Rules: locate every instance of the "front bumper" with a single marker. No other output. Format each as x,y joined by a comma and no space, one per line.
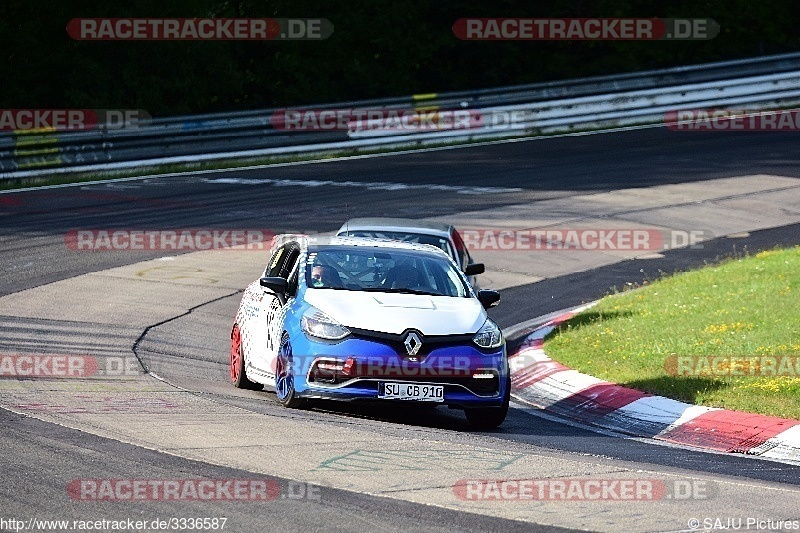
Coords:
471,377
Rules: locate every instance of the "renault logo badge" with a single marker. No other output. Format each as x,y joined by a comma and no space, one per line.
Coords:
413,343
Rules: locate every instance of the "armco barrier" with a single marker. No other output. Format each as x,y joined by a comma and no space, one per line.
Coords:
543,108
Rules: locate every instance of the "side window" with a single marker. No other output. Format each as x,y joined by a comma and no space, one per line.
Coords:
291,260
276,263
289,270
461,250
451,251
284,260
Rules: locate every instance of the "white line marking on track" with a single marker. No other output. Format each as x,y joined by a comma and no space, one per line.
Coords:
371,185
334,160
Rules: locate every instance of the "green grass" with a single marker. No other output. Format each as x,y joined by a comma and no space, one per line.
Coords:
746,307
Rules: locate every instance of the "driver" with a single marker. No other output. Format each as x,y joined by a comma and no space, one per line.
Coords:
325,276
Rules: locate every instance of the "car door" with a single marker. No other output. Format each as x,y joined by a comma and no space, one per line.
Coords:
274,305
256,315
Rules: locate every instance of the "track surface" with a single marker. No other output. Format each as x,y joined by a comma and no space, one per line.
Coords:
32,224
47,457
32,253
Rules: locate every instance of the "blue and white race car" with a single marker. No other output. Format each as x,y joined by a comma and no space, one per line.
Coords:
349,318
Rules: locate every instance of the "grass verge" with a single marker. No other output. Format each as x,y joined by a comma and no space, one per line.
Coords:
722,336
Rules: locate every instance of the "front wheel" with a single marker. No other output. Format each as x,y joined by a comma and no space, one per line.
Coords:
238,376
284,376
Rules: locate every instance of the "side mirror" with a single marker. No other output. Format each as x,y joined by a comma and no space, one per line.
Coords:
488,298
276,285
473,269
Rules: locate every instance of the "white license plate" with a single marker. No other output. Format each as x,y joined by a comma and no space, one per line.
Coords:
412,391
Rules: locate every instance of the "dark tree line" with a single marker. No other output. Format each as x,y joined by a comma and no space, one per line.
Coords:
378,49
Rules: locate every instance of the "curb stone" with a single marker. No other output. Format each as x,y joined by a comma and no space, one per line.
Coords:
539,381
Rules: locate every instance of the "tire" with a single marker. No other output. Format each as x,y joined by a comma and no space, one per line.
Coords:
489,417
284,376
238,376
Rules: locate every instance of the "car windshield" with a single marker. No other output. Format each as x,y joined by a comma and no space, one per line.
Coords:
383,270
406,236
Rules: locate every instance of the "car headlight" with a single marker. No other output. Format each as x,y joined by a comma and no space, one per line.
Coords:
315,323
489,336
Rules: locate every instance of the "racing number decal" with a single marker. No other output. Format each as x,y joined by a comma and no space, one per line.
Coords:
271,323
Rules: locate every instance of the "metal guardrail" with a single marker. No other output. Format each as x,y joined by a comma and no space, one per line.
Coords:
542,108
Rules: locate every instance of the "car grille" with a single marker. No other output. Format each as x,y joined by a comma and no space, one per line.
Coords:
429,342
332,372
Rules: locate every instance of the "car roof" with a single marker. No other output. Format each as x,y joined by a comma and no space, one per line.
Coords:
409,225
317,242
